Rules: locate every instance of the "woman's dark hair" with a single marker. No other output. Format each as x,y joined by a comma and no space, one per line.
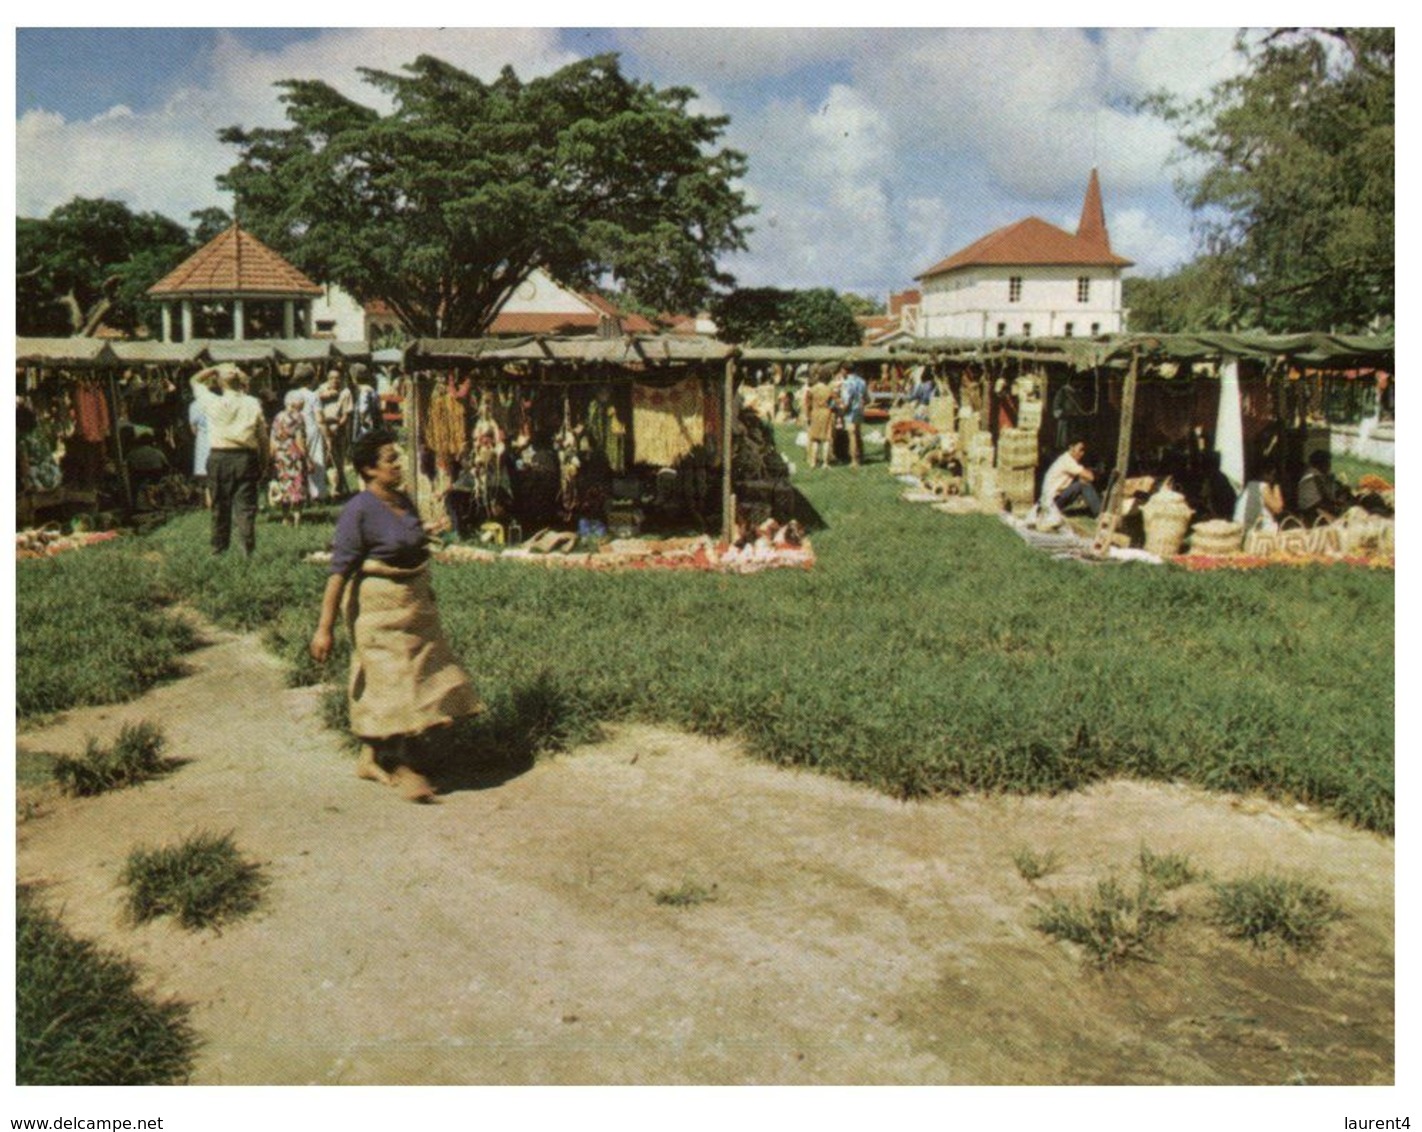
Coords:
365,452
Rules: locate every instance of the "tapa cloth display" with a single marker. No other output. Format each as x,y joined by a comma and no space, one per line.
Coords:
668,423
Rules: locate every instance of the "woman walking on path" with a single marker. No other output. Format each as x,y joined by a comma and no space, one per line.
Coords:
404,677
289,457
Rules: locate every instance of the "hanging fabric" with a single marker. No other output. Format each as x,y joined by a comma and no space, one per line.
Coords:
667,423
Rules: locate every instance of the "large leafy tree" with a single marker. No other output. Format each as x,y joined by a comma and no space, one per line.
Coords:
1295,196
768,316
442,206
1202,295
92,262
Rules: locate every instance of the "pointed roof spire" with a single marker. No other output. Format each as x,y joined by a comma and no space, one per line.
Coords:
1092,225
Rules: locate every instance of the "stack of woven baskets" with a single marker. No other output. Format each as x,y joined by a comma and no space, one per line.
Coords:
1216,537
1017,466
1167,518
980,473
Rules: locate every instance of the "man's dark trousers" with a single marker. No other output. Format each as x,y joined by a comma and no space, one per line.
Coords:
234,474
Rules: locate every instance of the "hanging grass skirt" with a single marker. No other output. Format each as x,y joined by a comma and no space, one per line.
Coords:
404,676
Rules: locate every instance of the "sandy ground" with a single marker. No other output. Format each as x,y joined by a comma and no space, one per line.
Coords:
511,933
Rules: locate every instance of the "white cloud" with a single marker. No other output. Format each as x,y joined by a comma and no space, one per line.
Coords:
166,160
719,55
1156,247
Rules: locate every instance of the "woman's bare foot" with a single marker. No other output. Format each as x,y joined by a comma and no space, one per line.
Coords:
368,768
413,786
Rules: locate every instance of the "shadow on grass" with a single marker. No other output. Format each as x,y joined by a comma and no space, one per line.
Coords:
806,515
534,718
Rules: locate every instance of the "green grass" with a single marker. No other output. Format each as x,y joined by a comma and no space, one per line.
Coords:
80,1018
923,655
92,627
1349,468
136,756
1267,908
1032,865
1168,870
202,882
1112,925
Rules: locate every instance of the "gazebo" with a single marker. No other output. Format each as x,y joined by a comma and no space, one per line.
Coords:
235,287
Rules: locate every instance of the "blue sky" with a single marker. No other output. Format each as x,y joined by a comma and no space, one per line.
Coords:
873,153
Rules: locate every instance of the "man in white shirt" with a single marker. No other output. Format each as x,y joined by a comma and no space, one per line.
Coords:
1068,480
237,439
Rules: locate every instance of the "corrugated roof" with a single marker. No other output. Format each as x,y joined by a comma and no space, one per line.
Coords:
234,263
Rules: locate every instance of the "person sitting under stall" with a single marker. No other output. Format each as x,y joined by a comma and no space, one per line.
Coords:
1261,503
1068,480
1320,496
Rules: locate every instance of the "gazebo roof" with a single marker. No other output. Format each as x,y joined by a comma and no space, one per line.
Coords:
232,265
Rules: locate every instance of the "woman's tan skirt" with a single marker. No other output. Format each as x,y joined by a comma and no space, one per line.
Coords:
404,677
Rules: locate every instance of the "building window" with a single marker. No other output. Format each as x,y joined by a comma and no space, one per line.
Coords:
1026,330
1069,329
1002,330
1014,289
1083,288
1095,329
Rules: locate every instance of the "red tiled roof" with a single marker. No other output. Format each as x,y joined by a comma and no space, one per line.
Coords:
234,263
1030,242
1034,242
902,299
633,322
520,322
1092,225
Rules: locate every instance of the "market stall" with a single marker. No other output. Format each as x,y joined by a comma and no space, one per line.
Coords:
79,398
1208,413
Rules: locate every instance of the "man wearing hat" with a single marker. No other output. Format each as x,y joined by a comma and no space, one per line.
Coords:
237,439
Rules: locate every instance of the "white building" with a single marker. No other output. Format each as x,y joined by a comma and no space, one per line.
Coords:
1028,280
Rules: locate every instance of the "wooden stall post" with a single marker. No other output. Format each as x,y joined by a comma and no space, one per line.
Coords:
1115,495
728,499
114,416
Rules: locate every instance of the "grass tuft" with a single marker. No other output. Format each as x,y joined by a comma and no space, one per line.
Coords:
79,1018
136,756
1112,925
1032,865
1266,908
686,895
203,881
1168,870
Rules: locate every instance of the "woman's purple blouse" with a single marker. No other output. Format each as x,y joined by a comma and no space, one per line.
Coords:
367,528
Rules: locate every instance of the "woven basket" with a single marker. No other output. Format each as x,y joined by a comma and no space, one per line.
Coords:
1216,536
1262,539
1294,537
1167,518
901,459
1016,448
1017,485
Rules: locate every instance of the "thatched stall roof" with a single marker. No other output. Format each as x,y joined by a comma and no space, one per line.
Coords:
644,358
833,355
147,352
98,353
1315,349
69,353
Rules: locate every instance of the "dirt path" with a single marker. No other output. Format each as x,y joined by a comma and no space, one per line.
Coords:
511,934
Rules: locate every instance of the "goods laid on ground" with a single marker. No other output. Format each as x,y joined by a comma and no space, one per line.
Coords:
1216,536
1017,466
47,541
1167,518
1364,533
1198,562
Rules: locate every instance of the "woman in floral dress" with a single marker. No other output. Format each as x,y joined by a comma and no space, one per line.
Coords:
289,462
